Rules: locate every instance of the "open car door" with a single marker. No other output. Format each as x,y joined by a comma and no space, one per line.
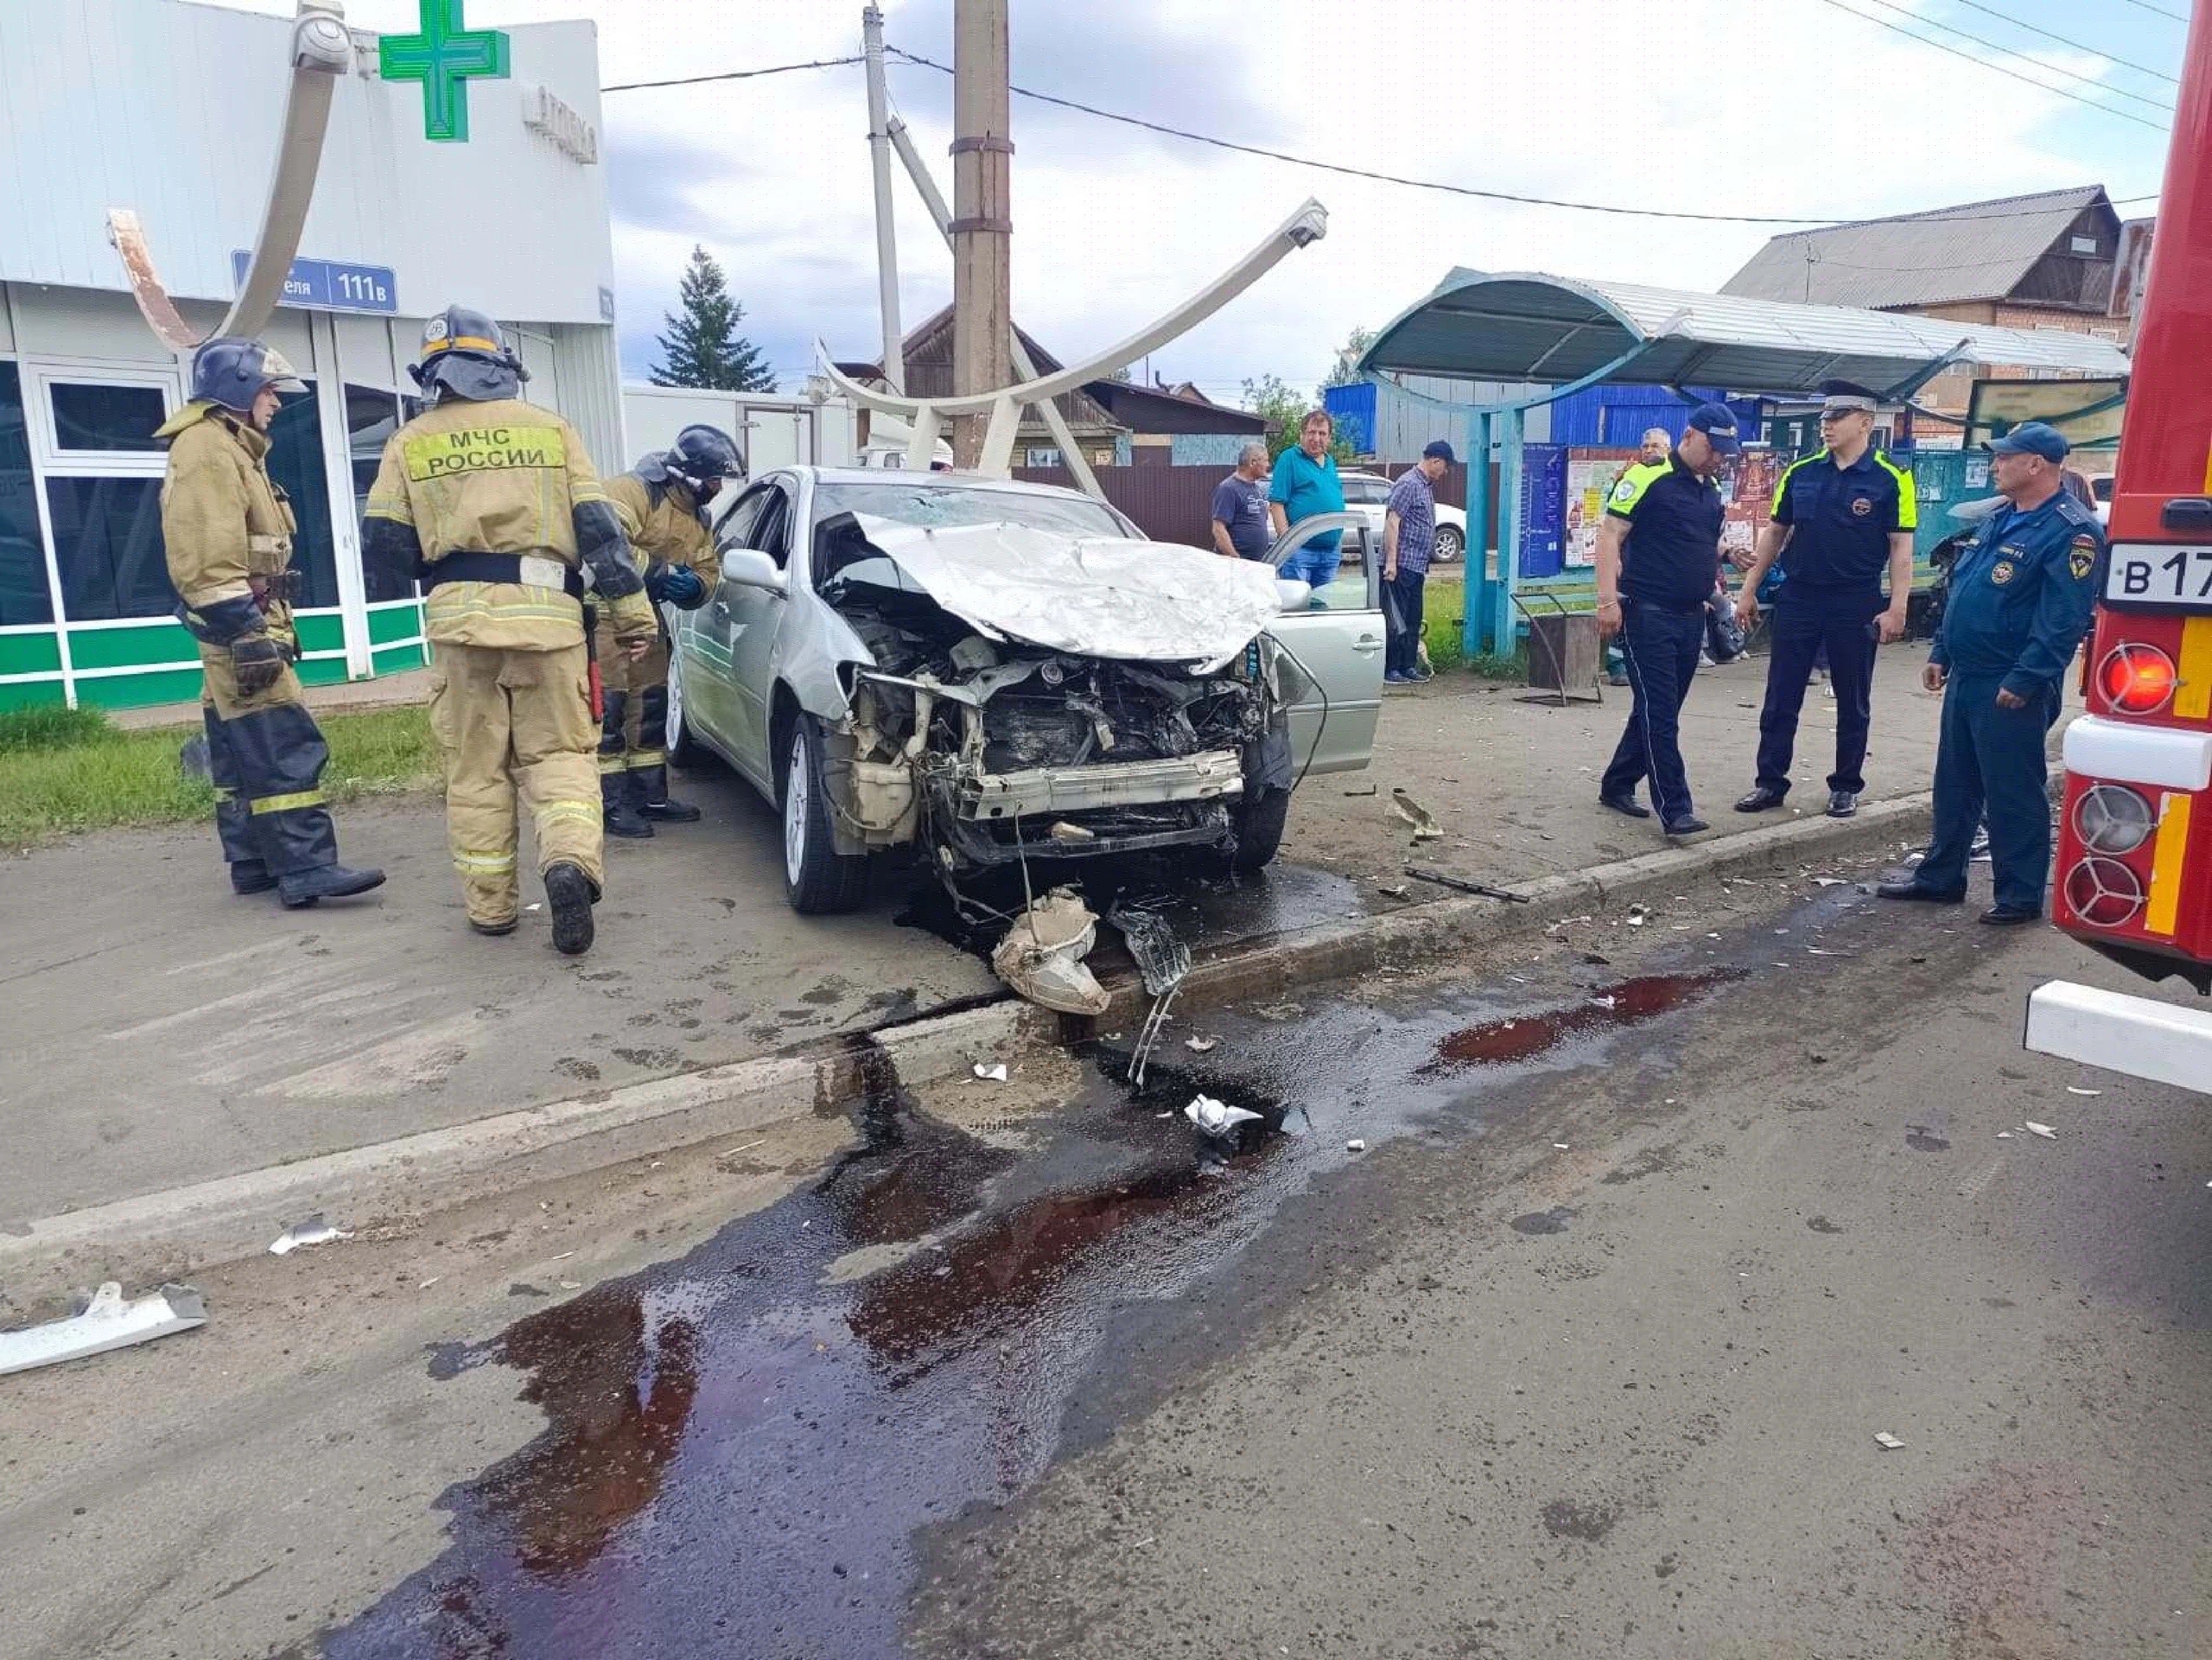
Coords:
1334,680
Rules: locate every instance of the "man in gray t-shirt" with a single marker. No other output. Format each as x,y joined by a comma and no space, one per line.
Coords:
1241,530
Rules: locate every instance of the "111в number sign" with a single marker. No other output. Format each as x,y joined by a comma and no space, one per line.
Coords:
329,285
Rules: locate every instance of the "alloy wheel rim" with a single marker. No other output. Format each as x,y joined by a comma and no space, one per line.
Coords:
796,786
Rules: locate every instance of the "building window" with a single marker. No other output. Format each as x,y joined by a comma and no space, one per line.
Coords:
25,600
372,415
92,418
2084,244
1042,456
296,465
107,539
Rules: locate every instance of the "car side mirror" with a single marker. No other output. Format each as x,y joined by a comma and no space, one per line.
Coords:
750,568
1292,593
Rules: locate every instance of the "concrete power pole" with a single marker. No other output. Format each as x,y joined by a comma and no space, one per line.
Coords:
982,226
886,234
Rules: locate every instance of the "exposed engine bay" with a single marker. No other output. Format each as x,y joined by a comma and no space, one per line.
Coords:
991,749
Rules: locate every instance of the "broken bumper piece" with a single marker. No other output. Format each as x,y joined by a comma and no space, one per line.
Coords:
1048,791
108,1322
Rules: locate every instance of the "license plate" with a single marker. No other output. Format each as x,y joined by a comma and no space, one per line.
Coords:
2176,578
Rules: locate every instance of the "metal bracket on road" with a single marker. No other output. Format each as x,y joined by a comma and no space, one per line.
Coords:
1482,890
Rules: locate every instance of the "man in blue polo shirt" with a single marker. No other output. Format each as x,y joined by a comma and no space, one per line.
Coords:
1305,484
1658,552
1840,518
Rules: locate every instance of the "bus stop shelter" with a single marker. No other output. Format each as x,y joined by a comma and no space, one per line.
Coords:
1569,333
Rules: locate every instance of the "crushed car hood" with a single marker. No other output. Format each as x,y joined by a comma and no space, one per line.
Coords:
1090,596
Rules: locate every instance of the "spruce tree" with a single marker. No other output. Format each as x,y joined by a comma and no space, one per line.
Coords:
702,346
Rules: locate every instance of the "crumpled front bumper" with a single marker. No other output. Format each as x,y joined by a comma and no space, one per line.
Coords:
1041,792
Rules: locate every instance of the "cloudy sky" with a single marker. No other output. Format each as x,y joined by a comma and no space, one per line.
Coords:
1781,107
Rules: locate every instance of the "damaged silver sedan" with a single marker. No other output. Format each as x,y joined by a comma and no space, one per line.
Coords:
999,671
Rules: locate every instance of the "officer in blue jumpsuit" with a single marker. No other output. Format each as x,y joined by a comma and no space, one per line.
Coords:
1840,519
2021,598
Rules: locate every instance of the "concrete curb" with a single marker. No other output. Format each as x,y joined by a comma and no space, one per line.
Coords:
183,1229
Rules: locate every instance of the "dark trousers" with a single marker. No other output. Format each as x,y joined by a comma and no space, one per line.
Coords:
1401,603
1661,650
266,765
1802,623
1993,758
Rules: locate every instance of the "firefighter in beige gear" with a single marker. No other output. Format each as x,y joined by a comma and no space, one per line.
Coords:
227,531
493,503
662,503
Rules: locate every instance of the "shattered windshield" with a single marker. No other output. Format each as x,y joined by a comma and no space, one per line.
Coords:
936,506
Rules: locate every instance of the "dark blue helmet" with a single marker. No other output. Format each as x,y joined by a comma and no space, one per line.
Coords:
232,372
701,458
466,352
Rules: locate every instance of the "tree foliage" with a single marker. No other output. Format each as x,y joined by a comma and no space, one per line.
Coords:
1283,407
1346,371
702,346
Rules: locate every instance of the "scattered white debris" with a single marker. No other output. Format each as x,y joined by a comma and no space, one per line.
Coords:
534,905
313,1232
1217,1117
565,1255
1605,1002
1560,1146
1280,1012
993,1073
428,1283
1042,957
1393,890
1425,825
1827,881
728,1152
107,1322
1201,1046
2044,1130
571,1285
2007,1135
1885,1441
1355,1145
2075,1089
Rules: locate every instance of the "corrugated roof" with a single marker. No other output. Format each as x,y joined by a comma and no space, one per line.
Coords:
1532,326
1976,250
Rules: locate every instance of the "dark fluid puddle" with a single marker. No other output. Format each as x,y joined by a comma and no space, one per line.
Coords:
743,1449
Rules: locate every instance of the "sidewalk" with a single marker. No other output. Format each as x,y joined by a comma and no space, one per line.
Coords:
161,1032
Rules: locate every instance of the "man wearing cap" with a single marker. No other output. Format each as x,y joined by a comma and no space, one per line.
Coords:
1839,518
1408,544
1657,552
2021,598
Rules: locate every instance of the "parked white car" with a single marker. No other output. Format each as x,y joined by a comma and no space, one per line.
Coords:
1368,495
997,671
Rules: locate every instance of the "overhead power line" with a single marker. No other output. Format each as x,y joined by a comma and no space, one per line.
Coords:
1812,222
2078,46
730,74
1989,45
2158,12
2040,85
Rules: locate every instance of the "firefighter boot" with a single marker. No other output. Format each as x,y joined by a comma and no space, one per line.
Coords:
570,895
650,796
621,819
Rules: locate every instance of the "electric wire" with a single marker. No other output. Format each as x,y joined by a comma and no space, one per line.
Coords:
732,75
2079,46
2048,68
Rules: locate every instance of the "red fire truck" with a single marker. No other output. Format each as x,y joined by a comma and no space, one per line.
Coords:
2133,878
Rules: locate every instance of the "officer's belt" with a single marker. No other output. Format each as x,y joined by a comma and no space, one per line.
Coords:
530,569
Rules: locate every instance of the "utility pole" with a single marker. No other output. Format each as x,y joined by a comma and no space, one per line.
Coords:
982,226
886,234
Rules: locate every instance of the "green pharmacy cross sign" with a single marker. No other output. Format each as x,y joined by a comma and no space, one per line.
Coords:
445,57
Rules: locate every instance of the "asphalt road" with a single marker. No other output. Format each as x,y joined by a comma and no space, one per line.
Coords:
1585,1353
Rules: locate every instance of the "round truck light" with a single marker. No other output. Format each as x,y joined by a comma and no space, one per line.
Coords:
2103,893
2113,818
2136,679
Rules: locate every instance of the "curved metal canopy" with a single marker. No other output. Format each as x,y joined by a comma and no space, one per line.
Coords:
1531,326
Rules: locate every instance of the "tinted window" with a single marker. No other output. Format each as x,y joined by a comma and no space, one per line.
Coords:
1361,493
937,505
296,465
23,594
372,416
107,539
735,529
106,417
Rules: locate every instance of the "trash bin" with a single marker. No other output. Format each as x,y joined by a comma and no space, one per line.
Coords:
1563,652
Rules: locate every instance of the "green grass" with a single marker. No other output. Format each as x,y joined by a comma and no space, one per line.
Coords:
1444,606
71,770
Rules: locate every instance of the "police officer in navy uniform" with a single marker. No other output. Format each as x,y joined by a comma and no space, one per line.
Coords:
1839,517
2021,598
1658,551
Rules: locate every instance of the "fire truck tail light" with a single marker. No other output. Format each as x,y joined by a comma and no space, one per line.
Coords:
2113,818
2103,893
2137,679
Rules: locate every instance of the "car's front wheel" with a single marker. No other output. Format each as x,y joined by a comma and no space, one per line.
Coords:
817,879
1451,544
1260,819
683,749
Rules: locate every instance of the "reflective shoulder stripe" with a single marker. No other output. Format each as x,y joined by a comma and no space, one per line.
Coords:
1782,484
257,542
290,803
1622,503
1908,501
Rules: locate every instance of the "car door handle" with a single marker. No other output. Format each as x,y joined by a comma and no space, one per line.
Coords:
1367,645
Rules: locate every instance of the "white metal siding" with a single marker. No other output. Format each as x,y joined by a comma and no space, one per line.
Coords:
589,372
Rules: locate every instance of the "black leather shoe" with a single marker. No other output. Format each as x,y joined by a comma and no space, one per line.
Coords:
251,877
2006,916
671,812
1762,799
621,819
1843,803
1913,890
570,894
325,882
1688,824
1624,803
495,929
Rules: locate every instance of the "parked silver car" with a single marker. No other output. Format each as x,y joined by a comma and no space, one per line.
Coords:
996,670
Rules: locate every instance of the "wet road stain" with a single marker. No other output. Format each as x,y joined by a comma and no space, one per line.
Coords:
1821,1224
745,1447
1567,1518
1540,1221
1524,1037
1921,1139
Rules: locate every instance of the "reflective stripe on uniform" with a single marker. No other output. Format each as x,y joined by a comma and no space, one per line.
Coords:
291,803
456,609
256,542
612,762
224,793
552,811
484,864
648,758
